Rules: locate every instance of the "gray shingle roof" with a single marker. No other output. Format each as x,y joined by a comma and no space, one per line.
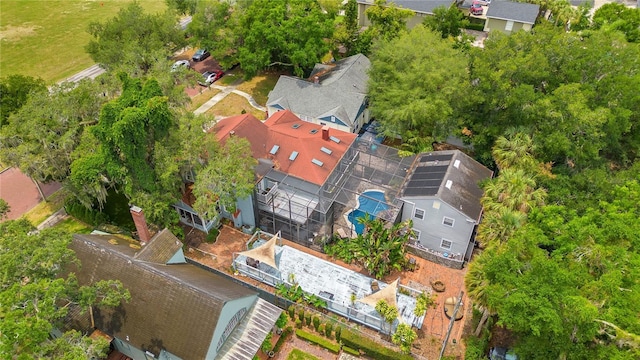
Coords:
519,12
162,247
344,84
432,172
423,6
172,307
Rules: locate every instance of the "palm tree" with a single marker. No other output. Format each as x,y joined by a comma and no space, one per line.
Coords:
499,224
477,286
513,189
514,152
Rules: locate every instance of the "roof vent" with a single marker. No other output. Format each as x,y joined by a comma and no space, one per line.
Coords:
296,125
448,184
334,139
456,164
293,156
313,131
325,150
274,149
317,162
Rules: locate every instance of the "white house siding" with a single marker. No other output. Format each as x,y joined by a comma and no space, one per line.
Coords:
500,25
432,230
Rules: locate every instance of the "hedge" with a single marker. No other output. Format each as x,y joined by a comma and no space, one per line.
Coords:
370,348
331,346
351,351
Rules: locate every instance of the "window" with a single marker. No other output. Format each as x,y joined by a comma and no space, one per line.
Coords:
446,244
509,26
416,235
418,214
447,221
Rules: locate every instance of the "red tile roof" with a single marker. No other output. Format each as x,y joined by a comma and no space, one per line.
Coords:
287,131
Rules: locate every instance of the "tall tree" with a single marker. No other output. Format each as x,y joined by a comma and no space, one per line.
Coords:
618,17
447,21
227,176
133,40
41,136
283,32
416,84
215,27
124,151
404,336
14,92
35,296
388,21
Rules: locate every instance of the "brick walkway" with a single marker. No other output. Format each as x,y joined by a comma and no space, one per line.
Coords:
21,193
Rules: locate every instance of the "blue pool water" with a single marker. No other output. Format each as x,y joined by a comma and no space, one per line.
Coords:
369,202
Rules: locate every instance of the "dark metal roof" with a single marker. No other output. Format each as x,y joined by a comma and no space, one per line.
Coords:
433,171
162,247
172,307
514,11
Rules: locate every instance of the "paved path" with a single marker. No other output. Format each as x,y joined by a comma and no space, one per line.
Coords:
224,91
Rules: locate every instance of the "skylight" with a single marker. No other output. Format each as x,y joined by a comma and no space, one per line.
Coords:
274,149
325,150
317,162
456,164
293,156
334,139
313,131
296,125
448,184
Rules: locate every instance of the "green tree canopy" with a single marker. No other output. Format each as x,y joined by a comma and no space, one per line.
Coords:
35,297
14,92
618,17
416,84
292,33
447,21
133,40
128,150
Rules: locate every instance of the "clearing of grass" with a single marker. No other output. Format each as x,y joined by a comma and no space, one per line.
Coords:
233,105
205,95
297,354
260,85
73,226
45,209
46,39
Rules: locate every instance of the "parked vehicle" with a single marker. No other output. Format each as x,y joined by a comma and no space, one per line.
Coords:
209,77
200,55
180,64
476,8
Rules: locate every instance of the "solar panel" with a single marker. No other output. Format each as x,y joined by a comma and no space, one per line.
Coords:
424,183
420,191
432,169
428,176
436,157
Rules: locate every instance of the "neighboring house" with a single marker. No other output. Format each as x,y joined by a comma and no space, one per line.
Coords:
177,310
421,9
335,95
442,196
508,17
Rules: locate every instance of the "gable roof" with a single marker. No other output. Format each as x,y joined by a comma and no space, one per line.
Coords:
290,134
172,307
341,84
451,176
419,6
513,11
161,248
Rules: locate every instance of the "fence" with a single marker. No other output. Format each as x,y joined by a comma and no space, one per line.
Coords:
454,262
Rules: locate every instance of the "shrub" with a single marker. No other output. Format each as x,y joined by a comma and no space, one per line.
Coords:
338,333
476,347
307,319
283,338
370,348
351,351
327,344
301,314
328,329
282,320
266,344
82,213
212,235
292,312
316,322
298,324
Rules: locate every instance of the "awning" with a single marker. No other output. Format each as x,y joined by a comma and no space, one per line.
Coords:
388,294
265,253
246,339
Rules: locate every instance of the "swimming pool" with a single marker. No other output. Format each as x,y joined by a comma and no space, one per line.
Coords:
369,202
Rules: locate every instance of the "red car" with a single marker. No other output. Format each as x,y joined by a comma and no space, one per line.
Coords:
210,77
476,8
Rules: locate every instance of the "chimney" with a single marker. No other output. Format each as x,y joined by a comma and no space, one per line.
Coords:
141,225
316,80
325,133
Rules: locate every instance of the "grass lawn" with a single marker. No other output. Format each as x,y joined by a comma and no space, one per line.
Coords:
73,226
47,38
297,354
43,210
233,105
260,85
203,97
